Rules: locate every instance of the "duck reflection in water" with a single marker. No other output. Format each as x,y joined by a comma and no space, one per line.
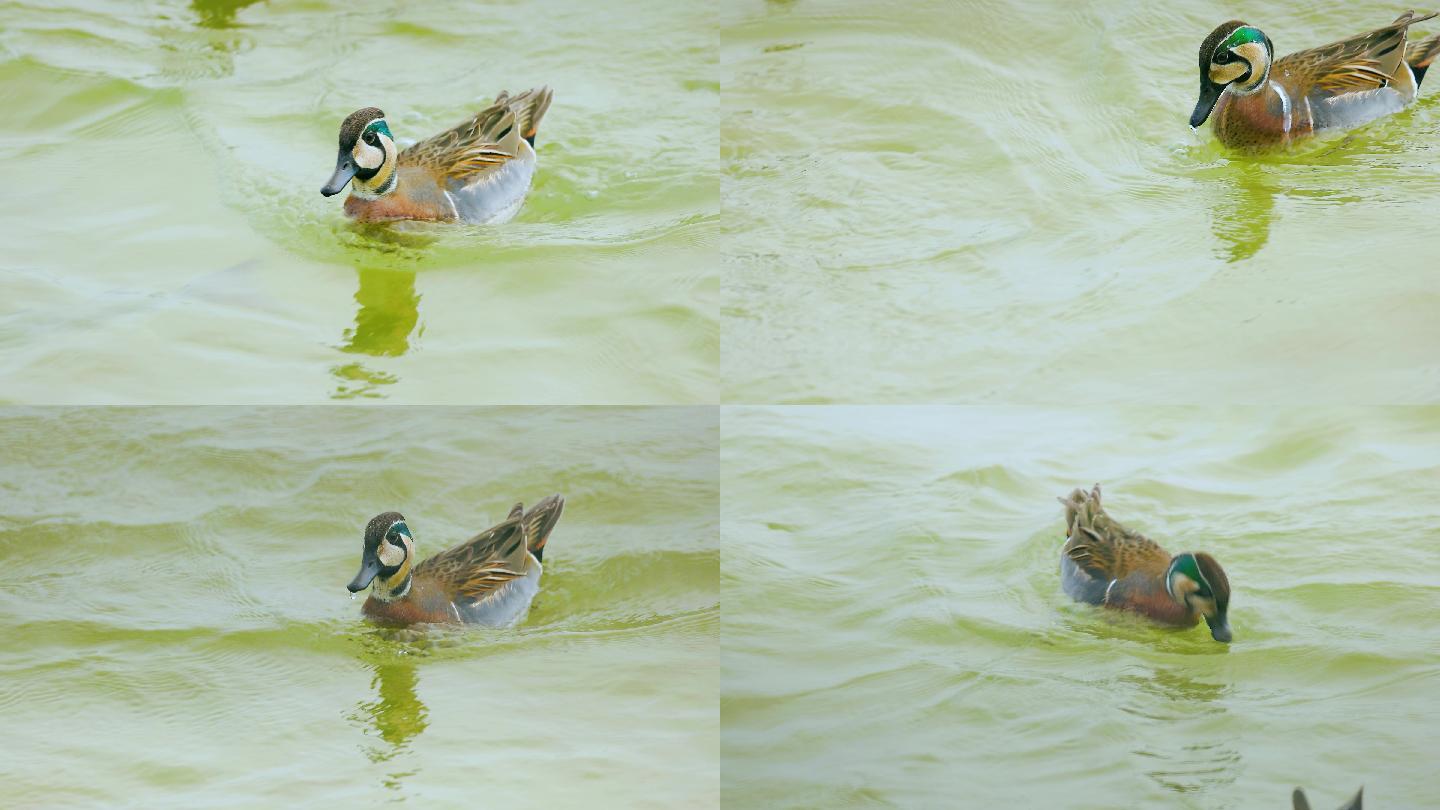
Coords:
1176,684
1241,220
389,310
219,13
396,715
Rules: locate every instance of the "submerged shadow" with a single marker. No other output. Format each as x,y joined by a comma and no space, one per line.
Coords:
1166,698
387,316
219,13
397,714
394,718
1241,221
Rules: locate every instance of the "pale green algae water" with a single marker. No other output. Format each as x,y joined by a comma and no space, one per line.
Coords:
895,634
979,202
178,633
166,242
991,203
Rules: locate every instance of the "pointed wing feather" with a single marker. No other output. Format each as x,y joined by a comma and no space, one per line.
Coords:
1357,64
485,562
480,144
540,521
1421,54
1355,77
1104,548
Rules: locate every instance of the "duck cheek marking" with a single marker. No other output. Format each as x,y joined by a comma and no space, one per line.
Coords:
367,156
390,555
1257,61
1224,74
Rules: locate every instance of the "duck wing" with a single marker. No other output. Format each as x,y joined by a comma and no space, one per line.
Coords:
472,149
539,521
1367,61
1102,547
478,567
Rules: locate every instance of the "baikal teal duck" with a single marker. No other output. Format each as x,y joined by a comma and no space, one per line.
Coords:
489,579
477,172
1255,102
1104,563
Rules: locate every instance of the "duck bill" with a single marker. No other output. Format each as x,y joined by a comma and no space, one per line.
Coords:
369,569
1209,94
1219,628
345,169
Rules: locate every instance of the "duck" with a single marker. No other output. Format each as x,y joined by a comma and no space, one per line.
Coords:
489,579
1256,102
477,172
1104,563
1300,803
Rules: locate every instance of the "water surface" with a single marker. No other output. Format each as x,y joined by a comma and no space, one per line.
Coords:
166,241
982,201
178,631
895,634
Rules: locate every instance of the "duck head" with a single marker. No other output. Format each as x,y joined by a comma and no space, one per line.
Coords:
1235,55
1196,581
367,155
387,559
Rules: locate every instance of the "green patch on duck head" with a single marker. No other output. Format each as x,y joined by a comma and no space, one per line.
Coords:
1211,584
1186,564
1242,35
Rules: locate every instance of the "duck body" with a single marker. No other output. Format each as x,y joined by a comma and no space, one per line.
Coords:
1103,563
1139,591
490,579
433,602
479,172
1256,102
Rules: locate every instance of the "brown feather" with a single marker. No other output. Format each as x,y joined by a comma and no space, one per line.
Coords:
1103,547
540,521
1364,62
476,567
1422,53
488,139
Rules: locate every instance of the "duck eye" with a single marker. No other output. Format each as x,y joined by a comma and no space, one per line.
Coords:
1224,58
371,139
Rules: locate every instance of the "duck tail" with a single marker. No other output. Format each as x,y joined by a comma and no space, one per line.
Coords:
1081,510
1420,54
539,521
529,107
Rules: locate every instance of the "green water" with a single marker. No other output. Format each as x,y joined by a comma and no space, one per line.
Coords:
178,633
895,634
973,202
888,276
166,241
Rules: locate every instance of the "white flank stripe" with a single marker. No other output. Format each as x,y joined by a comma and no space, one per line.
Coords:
1284,103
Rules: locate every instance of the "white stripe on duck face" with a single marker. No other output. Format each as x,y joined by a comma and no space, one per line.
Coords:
1258,59
390,554
367,156
379,160
372,157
